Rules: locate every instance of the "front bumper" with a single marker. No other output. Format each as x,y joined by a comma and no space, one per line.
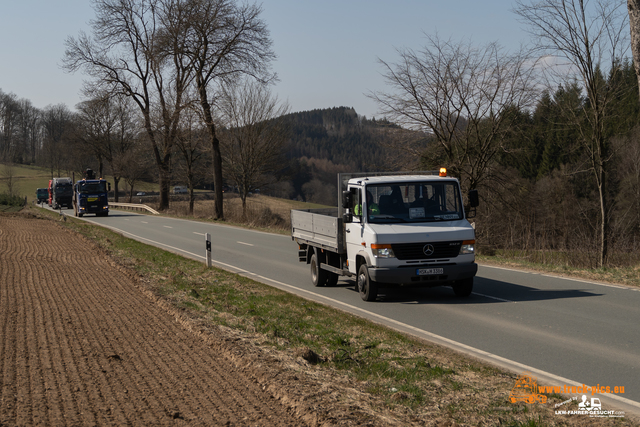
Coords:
407,275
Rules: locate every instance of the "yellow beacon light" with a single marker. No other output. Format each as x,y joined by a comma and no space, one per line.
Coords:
443,171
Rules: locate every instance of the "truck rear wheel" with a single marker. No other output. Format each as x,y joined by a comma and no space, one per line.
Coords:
463,288
332,278
367,288
318,275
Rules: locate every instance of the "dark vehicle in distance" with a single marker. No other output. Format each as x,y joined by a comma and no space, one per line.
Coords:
42,195
61,193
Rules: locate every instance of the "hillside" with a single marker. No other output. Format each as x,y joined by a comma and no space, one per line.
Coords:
325,142
339,135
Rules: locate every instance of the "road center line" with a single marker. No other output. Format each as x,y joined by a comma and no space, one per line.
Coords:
496,298
243,243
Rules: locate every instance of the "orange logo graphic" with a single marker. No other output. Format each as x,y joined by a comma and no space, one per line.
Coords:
526,390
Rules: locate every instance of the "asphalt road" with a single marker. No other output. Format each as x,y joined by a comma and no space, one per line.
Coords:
565,332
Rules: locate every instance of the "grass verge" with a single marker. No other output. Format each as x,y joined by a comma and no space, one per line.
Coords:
415,381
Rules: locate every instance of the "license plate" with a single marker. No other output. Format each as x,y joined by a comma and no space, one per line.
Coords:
92,199
429,271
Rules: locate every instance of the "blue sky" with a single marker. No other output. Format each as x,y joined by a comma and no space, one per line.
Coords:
327,49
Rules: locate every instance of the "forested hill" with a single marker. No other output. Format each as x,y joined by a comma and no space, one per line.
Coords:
338,137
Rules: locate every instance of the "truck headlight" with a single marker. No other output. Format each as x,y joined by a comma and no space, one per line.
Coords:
468,247
382,251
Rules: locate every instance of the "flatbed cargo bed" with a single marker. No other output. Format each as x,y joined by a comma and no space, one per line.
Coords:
318,227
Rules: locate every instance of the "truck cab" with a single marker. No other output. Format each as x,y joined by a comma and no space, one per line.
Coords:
409,230
42,195
91,195
61,193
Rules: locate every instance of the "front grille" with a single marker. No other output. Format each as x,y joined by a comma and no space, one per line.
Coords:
407,251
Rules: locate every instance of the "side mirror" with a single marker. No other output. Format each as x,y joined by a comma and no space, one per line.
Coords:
109,185
346,199
474,200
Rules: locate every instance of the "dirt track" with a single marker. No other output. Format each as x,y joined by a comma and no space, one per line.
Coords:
82,344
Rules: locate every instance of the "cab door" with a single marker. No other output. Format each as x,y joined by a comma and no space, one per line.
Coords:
354,230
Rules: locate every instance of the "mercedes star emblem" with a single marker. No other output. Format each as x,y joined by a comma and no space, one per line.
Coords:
428,250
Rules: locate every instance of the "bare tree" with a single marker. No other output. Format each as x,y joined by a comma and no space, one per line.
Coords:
254,136
134,166
137,50
95,127
30,131
633,7
108,129
225,40
9,119
191,143
58,129
459,96
9,174
588,40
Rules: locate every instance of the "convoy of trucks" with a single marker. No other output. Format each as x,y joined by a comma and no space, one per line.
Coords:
390,230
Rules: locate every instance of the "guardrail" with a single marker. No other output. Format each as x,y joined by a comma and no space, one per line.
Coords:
134,206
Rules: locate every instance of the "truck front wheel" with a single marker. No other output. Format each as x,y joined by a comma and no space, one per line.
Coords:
367,288
463,288
318,275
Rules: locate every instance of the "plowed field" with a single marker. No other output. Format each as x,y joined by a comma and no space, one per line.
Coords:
82,344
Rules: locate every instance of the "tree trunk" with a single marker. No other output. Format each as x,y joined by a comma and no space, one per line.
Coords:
604,222
243,197
217,174
165,182
634,24
116,181
215,147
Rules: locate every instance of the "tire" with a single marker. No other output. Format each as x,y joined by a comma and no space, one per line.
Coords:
318,275
367,288
332,279
463,288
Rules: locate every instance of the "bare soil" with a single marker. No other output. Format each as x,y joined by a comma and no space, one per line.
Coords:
84,343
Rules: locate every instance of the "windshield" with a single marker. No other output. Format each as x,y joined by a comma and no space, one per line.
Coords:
65,188
414,202
92,187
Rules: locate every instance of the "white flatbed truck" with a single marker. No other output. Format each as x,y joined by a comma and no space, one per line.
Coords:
391,229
